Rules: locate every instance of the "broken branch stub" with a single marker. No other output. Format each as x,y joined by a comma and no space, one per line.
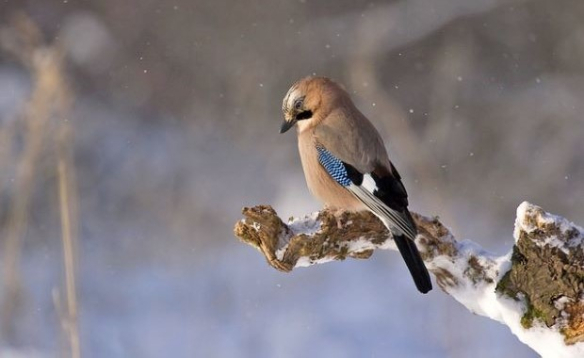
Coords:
331,235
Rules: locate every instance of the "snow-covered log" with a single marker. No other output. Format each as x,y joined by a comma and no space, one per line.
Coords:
536,289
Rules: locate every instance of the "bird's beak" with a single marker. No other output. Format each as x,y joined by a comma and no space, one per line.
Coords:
287,124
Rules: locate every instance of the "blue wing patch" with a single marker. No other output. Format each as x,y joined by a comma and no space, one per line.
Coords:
333,165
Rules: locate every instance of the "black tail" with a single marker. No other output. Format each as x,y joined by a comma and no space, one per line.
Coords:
393,211
411,256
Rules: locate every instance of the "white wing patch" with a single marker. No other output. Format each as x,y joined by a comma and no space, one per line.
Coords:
369,183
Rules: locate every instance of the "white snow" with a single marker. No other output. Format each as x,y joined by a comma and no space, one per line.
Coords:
281,251
308,225
483,300
524,222
306,261
480,298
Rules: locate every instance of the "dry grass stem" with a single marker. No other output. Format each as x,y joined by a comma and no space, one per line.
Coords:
44,124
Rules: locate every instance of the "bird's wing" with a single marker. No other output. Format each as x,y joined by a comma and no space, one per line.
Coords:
383,193
349,135
380,190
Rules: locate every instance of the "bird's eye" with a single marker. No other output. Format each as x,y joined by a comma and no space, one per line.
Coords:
298,105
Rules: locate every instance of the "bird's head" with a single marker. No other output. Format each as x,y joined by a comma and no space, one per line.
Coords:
308,101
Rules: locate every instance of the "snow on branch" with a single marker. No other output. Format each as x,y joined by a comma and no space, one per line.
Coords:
536,289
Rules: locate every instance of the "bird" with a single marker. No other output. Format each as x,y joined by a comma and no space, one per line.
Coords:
346,165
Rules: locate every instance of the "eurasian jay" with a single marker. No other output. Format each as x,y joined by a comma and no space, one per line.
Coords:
346,165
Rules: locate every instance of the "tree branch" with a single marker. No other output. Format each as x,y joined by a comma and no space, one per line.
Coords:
536,289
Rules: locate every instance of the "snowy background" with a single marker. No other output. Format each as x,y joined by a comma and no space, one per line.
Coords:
176,116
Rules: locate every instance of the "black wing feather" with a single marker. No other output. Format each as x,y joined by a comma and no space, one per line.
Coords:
355,176
390,188
391,191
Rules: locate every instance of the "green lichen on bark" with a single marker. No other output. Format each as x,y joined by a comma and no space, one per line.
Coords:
546,267
530,315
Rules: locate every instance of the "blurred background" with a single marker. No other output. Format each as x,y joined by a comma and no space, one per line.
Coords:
133,132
